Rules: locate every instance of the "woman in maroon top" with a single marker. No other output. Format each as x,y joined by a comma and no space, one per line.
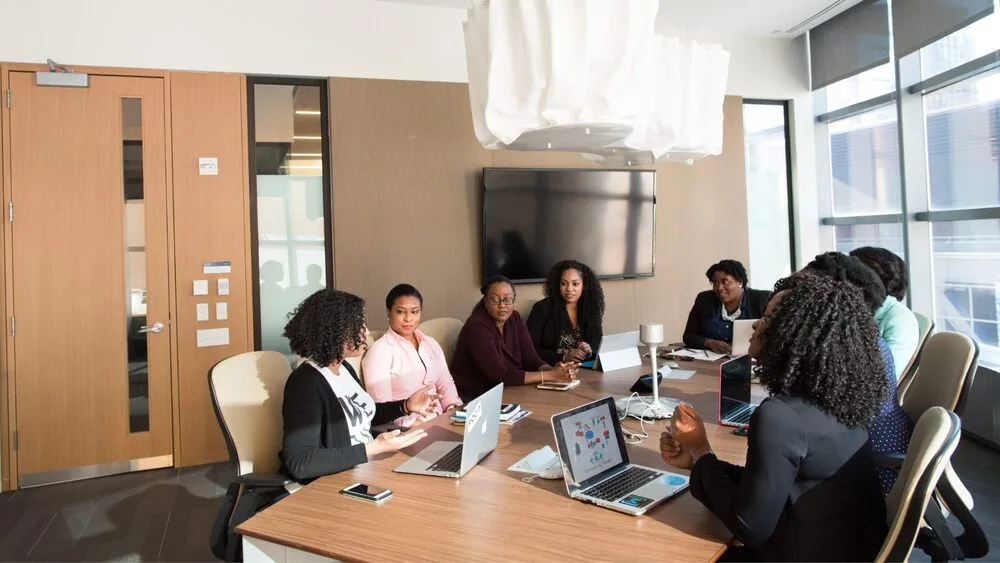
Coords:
495,346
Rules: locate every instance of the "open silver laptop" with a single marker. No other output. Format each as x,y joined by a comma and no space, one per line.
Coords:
596,466
742,331
736,392
455,459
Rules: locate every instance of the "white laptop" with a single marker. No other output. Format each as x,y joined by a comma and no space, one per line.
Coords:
742,331
596,466
618,351
455,459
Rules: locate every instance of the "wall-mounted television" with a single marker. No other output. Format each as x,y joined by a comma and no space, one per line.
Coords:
533,218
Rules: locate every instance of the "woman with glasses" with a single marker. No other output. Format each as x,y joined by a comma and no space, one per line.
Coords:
710,323
495,346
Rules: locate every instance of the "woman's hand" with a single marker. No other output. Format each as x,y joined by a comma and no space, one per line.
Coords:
423,401
394,441
688,429
672,451
718,346
587,350
564,372
575,355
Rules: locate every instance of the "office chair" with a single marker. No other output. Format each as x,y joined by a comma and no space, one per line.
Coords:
445,331
947,369
375,334
247,392
924,328
356,361
934,440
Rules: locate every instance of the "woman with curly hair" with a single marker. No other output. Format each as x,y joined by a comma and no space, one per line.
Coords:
566,325
327,415
897,324
710,323
809,490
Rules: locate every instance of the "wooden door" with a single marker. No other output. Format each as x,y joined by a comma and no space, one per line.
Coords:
89,269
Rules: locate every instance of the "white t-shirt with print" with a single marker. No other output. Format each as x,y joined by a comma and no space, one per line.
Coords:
358,405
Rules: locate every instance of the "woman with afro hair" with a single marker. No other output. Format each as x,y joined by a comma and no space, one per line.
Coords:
327,415
809,489
566,325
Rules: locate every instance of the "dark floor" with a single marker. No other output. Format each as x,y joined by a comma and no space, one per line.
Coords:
166,514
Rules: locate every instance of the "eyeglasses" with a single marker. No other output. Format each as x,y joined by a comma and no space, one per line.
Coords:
494,300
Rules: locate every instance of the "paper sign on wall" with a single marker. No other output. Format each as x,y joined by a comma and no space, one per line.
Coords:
213,337
208,166
220,267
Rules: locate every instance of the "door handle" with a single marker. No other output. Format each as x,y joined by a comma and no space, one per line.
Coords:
155,327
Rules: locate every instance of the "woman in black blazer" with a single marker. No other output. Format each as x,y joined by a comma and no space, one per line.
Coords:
566,325
710,323
809,490
327,415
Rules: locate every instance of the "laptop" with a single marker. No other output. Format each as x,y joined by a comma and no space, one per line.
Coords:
735,406
617,351
595,462
742,331
455,459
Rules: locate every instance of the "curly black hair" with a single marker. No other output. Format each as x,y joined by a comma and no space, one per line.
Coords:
889,267
324,323
842,267
820,343
493,280
732,267
591,303
402,290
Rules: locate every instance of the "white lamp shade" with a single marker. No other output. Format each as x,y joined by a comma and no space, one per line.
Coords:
591,76
651,334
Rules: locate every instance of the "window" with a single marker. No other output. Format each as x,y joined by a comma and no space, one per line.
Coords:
966,44
885,235
867,85
864,161
966,277
292,254
765,127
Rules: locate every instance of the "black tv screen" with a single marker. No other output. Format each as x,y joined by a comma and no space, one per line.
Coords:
533,218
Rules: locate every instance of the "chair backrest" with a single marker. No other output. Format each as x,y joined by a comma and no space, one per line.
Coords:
924,327
247,391
934,440
946,372
356,361
375,334
445,330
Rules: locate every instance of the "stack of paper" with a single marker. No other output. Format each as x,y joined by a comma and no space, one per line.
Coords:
537,461
689,354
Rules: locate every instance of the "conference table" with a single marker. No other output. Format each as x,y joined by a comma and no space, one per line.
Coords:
492,513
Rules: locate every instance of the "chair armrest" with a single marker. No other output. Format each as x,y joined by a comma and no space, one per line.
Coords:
890,461
263,480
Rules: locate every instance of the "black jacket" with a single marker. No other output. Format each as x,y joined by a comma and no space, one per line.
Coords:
546,322
809,491
707,308
316,440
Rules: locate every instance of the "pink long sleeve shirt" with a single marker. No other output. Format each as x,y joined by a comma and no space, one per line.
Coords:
393,370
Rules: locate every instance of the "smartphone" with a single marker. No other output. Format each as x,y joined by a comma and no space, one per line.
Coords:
554,386
369,493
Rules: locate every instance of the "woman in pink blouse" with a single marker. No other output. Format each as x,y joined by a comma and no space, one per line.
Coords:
405,359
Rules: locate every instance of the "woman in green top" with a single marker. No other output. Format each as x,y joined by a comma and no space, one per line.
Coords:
896,324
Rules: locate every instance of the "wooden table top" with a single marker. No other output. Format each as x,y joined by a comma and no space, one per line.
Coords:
491,513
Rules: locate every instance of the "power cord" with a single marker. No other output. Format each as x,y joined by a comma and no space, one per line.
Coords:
635,438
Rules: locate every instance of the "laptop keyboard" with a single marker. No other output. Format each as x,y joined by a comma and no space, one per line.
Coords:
450,462
736,412
622,484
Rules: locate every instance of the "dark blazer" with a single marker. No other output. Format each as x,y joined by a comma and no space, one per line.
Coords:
484,356
546,322
809,491
316,439
707,310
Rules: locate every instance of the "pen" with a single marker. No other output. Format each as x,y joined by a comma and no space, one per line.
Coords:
706,353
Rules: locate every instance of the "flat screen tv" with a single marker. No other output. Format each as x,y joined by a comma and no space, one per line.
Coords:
533,218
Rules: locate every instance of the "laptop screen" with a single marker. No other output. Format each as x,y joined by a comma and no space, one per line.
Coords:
590,440
734,384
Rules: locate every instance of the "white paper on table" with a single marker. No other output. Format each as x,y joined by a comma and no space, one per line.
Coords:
681,374
536,462
707,355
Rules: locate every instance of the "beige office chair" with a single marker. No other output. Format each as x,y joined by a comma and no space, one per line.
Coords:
247,391
356,361
924,328
376,334
445,331
947,369
934,440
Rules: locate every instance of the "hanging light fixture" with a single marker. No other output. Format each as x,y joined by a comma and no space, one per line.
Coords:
591,76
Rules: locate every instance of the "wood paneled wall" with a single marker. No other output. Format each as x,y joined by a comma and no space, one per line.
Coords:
208,113
6,400
407,206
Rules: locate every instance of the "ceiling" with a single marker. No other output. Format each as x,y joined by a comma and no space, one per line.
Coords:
755,18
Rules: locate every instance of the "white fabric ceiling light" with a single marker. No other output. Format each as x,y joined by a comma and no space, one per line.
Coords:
591,76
